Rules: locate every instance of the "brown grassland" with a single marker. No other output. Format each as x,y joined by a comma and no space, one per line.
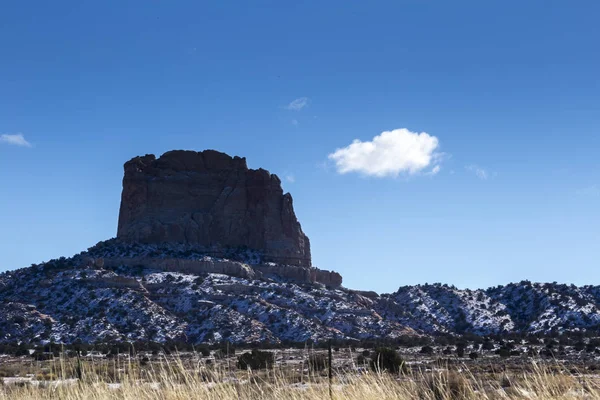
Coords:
181,377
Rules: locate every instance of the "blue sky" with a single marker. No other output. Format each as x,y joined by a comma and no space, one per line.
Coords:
503,185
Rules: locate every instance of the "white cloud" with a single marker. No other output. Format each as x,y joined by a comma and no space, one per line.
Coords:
297,104
480,172
290,178
435,170
17,139
389,154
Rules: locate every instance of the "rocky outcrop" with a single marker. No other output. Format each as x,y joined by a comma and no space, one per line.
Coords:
116,282
213,201
329,278
204,266
210,265
301,274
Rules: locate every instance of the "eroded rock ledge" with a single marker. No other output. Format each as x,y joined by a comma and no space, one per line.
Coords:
233,268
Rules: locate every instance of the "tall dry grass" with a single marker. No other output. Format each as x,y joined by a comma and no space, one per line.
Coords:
176,379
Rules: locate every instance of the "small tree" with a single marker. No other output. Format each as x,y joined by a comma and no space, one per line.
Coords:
487,345
503,352
256,360
204,351
386,359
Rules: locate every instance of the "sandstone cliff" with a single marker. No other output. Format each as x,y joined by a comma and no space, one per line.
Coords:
213,201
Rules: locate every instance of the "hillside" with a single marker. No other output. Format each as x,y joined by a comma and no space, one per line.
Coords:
89,298
79,299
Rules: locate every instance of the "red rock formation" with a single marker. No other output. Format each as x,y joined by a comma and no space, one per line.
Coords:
210,200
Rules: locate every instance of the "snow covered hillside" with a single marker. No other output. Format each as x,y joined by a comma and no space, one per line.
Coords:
89,299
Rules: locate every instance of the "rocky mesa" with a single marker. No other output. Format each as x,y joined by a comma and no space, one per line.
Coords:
211,201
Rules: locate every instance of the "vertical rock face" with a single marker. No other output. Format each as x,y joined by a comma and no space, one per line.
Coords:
210,200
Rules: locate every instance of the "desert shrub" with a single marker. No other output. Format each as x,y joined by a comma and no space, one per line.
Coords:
361,360
503,352
256,360
426,350
204,351
386,359
487,345
21,352
533,340
532,352
473,355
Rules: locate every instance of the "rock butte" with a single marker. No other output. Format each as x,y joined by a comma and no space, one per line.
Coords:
212,201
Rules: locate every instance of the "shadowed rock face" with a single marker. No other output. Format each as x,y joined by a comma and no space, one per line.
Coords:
210,200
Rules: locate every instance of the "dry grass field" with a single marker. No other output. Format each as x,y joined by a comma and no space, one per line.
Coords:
186,376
